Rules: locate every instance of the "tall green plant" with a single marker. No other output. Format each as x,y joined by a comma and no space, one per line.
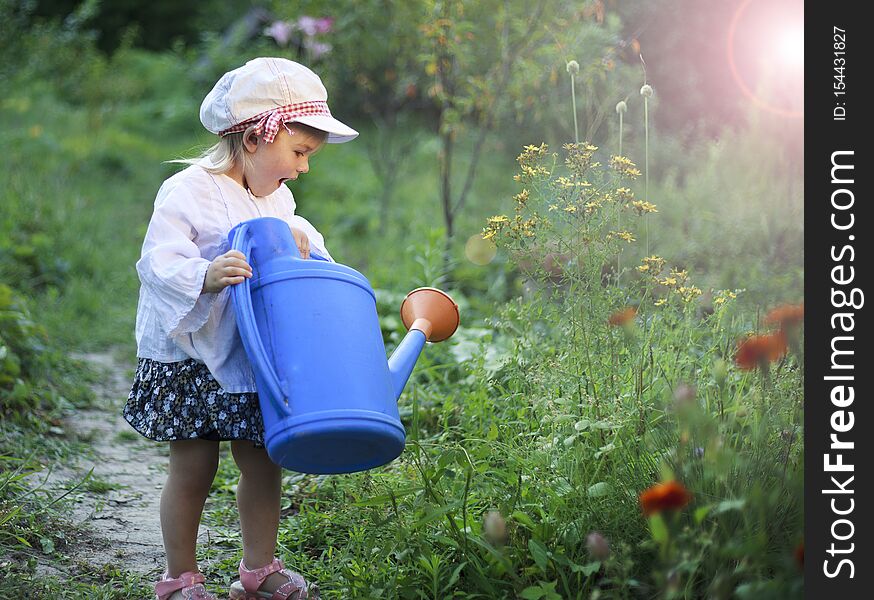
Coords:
630,375
476,55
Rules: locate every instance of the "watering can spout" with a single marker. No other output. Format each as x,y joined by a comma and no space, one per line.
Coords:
430,315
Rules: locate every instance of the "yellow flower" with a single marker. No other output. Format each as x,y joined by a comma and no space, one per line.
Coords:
570,208
643,268
655,263
579,157
531,152
723,296
620,161
553,207
624,166
625,236
532,172
688,293
524,228
668,281
498,219
644,207
660,302
624,194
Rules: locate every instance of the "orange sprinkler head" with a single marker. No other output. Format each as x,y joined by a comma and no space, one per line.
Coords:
432,312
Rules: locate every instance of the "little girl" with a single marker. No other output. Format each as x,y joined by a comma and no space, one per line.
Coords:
193,385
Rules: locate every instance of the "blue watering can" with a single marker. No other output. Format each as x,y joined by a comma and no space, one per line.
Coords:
311,332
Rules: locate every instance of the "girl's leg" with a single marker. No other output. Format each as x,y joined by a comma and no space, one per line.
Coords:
258,497
193,465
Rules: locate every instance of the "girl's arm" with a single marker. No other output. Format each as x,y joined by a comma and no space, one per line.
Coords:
171,268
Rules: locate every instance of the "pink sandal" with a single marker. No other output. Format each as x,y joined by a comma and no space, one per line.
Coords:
190,583
296,588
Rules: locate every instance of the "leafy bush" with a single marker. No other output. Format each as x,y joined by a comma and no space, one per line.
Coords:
21,343
629,382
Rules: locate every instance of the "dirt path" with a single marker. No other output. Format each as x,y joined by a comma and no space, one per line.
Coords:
119,503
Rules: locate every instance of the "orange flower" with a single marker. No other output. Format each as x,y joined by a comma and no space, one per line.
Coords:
669,495
799,555
785,316
622,317
759,350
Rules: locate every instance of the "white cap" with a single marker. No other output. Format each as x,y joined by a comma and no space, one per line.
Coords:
263,85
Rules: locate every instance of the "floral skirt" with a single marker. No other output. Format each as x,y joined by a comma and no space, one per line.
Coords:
182,401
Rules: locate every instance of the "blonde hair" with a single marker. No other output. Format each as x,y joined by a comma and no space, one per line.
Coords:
230,150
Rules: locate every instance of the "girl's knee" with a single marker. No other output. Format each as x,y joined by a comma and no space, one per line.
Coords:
253,460
194,462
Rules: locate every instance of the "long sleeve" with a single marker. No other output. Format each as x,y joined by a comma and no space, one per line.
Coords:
194,211
171,268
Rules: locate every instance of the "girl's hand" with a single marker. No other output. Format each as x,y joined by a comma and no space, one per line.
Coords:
302,241
227,269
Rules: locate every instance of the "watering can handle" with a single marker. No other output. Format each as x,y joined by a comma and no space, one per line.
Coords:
242,295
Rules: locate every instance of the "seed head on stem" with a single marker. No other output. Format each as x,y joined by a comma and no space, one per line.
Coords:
646,92
621,108
573,68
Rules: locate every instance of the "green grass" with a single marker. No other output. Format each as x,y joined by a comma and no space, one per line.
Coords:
35,531
96,485
127,436
104,582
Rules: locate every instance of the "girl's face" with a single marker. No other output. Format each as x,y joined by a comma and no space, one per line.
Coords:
286,157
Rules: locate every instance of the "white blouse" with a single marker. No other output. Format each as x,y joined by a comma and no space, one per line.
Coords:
194,212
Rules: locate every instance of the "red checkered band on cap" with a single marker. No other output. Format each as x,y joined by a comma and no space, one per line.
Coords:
269,121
